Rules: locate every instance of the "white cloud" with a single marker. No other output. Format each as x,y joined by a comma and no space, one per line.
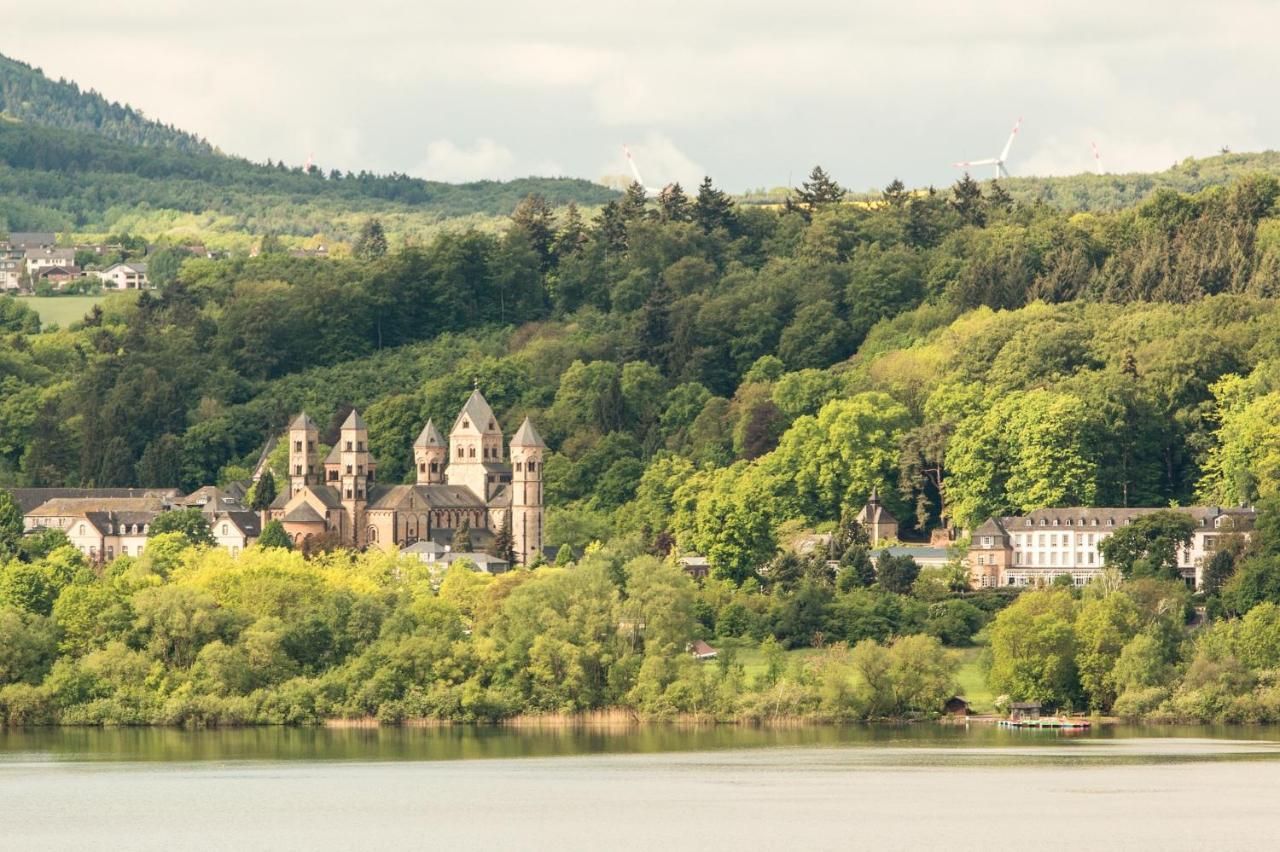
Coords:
448,161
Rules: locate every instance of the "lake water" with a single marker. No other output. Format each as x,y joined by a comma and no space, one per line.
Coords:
918,787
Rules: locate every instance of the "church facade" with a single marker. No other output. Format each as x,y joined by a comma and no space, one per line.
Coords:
473,481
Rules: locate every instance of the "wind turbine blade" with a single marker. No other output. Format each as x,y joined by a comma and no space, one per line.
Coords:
631,161
990,161
1097,158
1004,155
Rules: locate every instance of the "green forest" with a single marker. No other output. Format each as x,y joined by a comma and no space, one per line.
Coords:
711,377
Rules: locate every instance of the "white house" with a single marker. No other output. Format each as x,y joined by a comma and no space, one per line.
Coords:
38,259
1036,548
235,530
125,276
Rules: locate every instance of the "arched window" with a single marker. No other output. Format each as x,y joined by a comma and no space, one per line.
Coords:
371,534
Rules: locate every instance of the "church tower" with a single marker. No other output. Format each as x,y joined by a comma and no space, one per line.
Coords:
303,471
527,449
430,455
475,448
355,474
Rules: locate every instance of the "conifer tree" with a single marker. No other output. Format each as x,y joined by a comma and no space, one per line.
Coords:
673,204
533,216
462,538
572,235
503,546
713,209
273,535
966,199
372,242
818,191
263,492
895,194
998,199
633,203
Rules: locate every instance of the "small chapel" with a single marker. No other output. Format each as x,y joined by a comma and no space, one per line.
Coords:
474,481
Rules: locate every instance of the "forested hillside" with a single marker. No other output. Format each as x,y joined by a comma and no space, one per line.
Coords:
1109,192
27,95
73,163
714,376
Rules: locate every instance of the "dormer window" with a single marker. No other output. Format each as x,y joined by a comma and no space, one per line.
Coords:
492,426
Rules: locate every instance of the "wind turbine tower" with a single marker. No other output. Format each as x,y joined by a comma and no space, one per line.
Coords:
1097,159
999,161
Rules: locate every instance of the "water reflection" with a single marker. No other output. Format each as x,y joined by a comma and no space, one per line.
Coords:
919,744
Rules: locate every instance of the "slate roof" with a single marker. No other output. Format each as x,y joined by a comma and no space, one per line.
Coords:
302,421
477,413
32,238
501,497
30,498
527,436
431,496
1205,516
429,437
354,421
247,522
303,514
333,456
84,505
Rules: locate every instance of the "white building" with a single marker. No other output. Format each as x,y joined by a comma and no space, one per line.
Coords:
125,276
48,258
1034,549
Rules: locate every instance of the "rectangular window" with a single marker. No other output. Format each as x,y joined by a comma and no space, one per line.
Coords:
297,446
422,467
348,446
297,470
435,466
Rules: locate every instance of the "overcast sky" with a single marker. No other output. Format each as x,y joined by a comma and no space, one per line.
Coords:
748,91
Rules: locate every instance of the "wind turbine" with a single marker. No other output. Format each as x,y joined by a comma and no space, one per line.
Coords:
998,162
631,161
1097,159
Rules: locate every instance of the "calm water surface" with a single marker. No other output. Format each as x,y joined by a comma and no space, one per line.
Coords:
918,787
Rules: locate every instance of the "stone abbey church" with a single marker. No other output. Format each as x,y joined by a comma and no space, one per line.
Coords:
470,481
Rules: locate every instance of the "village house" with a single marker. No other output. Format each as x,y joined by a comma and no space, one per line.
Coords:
11,270
27,241
125,276
101,528
1034,549
469,482
48,258
57,276
234,530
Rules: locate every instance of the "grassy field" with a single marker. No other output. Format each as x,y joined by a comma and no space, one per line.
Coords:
971,679
62,310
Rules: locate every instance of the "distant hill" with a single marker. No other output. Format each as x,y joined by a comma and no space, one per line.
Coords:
1109,192
26,94
71,161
